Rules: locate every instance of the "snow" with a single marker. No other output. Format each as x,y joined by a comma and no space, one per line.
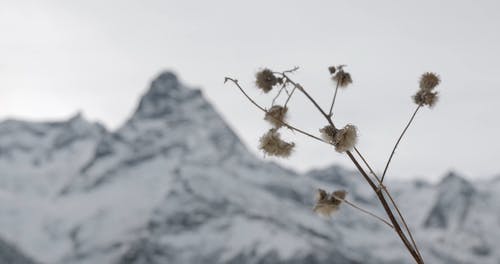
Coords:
175,184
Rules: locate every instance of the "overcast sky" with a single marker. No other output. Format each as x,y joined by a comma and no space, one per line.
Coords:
60,57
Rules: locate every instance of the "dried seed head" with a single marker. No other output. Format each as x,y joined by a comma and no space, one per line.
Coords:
328,133
338,196
429,81
426,97
321,195
265,80
332,69
328,204
272,144
345,138
276,115
342,78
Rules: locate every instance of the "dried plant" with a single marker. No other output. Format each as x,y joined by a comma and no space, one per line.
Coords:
327,204
328,133
343,140
276,115
272,144
342,78
265,80
429,81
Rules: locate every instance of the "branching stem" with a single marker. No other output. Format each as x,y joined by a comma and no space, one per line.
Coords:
290,96
330,113
265,111
397,142
283,87
412,248
383,187
364,211
309,135
378,191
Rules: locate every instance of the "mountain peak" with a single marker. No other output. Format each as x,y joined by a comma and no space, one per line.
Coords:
454,199
164,82
164,96
452,179
78,116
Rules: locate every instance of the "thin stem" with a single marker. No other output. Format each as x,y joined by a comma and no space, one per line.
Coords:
402,219
278,94
392,201
296,68
298,86
287,93
330,113
265,111
387,209
290,96
397,142
364,211
366,164
244,93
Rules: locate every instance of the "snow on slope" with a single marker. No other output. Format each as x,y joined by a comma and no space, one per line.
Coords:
36,159
11,255
174,184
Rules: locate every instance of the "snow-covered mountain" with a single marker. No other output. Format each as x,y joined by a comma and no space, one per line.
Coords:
174,184
11,255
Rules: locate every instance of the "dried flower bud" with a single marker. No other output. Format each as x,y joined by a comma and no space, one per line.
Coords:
328,133
342,78
272,144
338,196
332,69
429,81
265,80
321,195
328,204
426,97
345,138
276,115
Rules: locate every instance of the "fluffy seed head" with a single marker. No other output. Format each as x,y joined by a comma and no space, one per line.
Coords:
345,138
340,194
332,69
327,204
265,80
429,81
328,133
272,144
425,97
276,115
321,195
342,78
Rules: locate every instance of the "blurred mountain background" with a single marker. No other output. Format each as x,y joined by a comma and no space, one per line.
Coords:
175,184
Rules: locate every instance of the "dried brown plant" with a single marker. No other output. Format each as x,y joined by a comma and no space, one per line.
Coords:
342,78
343,140
276,115
272,144
265,80
429,81
327,204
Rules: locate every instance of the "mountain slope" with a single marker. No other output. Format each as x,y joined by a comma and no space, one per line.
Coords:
11,255
174,184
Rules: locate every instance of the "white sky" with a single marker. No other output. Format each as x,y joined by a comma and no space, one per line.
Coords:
59,57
